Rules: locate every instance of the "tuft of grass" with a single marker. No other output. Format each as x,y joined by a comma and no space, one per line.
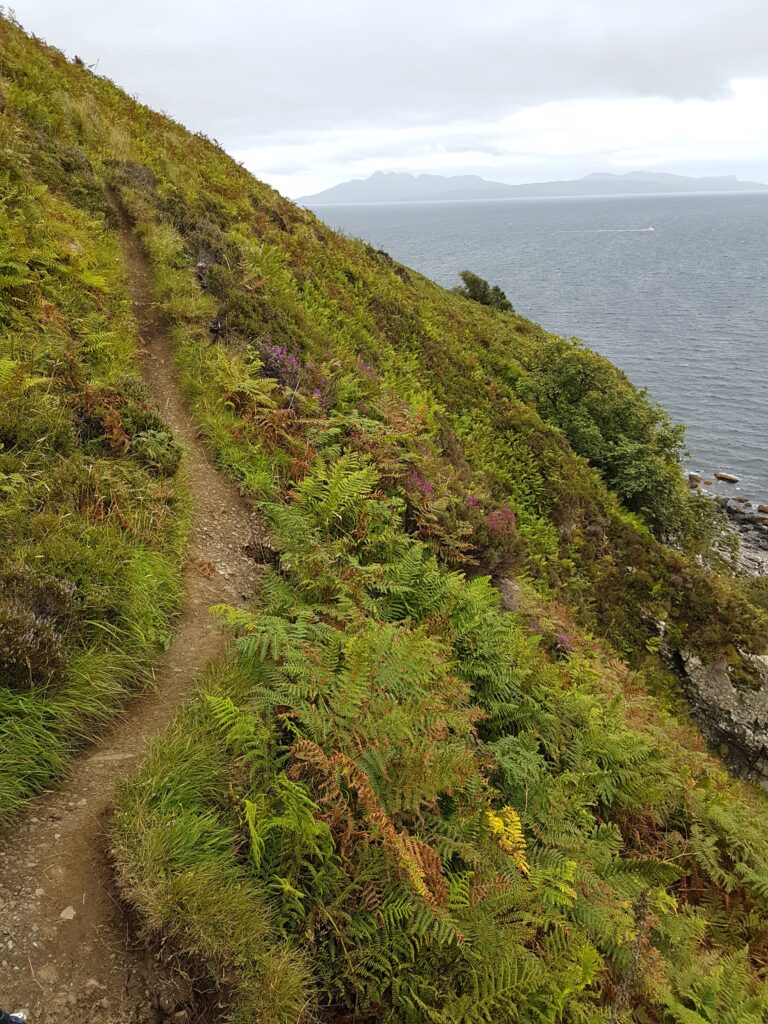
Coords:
178,852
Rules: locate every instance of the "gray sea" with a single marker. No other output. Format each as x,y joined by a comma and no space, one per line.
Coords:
673,289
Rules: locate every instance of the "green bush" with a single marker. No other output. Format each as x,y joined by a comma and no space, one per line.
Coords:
477,289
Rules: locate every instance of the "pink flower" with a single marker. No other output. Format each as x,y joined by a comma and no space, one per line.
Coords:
281,363
416,482
501,520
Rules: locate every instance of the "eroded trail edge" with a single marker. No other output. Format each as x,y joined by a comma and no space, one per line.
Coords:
65,951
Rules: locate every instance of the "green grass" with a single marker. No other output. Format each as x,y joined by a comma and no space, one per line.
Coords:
91,536
177,847
395,801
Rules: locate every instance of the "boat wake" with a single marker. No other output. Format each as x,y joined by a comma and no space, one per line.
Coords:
614,231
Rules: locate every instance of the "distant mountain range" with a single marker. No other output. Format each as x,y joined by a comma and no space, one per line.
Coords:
394,187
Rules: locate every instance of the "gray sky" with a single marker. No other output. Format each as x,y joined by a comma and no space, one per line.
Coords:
311,92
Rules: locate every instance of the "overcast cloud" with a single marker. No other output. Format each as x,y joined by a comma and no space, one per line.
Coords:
310,92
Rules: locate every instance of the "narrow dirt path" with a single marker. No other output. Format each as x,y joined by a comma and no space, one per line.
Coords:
65,951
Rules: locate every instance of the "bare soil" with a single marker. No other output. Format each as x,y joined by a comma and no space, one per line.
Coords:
67,953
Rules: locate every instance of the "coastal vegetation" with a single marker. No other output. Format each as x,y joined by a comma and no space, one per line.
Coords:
444,773
479,290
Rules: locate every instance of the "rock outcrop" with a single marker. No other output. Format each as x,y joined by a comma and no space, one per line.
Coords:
732,713
751,526
730,701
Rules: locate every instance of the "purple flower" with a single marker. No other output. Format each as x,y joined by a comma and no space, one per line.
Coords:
31,649
501,520
471,500
564,643
323,398
416,482
281,363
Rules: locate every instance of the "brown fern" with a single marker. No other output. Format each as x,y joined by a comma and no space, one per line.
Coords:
416,860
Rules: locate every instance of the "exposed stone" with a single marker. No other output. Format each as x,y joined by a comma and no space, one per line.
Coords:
734,717
166,1002
751,528
48,974
727,477
512,597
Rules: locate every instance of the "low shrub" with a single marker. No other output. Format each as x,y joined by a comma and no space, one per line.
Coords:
31,649
478,289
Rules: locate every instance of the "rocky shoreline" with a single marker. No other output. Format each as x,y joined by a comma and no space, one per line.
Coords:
747,520
750,524
730,700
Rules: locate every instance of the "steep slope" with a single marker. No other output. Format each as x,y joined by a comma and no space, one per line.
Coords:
68,957
92,518
280,287
399,801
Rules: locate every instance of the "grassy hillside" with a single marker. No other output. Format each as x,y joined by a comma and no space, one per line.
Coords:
395,800
91,520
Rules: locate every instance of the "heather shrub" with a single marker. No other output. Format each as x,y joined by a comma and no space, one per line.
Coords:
282,364
497,540
47,595
31,649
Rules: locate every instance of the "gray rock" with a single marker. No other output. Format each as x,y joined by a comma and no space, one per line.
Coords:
751,558
734,718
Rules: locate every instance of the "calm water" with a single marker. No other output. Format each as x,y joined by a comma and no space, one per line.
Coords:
682,308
